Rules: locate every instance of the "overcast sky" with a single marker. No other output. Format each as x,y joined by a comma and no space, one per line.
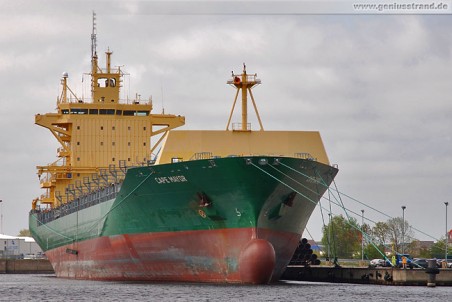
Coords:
377,87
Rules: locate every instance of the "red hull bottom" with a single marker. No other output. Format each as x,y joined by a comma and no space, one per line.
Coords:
221,256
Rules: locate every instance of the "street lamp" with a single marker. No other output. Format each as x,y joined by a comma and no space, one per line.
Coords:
447,237
329,237
1,216
403,228
362,235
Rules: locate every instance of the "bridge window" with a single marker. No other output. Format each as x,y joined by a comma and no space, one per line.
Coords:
79,111
136,113
102,82
107,111
93,111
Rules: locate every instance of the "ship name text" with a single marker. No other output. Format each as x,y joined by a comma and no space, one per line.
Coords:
170,179
314,180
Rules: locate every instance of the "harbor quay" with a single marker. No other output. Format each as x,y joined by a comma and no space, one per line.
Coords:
357,275
367,275
25,266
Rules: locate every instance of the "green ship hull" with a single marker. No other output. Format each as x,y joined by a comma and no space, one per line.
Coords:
236,219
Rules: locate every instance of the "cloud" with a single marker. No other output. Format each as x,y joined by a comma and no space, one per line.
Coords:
376,87
219,39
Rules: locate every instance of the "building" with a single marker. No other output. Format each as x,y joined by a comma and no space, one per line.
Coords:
19,247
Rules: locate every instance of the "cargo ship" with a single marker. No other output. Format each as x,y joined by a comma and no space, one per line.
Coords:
222,206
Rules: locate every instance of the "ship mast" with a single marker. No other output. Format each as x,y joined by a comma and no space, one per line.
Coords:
93,37
94,65
245,83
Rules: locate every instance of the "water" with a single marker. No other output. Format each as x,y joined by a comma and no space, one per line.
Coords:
50,288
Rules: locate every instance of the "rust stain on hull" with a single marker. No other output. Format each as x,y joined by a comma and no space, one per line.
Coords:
221,256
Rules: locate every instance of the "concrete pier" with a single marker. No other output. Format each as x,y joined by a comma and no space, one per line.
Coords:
25,266
380,275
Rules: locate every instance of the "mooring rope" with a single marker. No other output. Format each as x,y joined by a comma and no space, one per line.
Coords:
323,222
307,188
356,200
293,189
348,221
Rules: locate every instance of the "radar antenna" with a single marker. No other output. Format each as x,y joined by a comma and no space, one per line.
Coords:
93,37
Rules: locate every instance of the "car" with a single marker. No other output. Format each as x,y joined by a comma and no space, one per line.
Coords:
419,263
29,256
422,263
377,263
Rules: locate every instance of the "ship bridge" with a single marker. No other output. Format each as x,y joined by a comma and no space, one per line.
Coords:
102,134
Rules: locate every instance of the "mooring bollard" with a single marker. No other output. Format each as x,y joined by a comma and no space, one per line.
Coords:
432,270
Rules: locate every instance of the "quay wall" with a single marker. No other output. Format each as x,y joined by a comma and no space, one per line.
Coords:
25,266
364,275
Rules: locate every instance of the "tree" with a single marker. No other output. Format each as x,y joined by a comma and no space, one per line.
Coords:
418,251
388,235
345,237
380,233
24,233
375,240
397,228
374,251
438,249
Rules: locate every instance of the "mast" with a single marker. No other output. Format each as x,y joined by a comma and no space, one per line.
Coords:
93,37
94,66
244,101
245,83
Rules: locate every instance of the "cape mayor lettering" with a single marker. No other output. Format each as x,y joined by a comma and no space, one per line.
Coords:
170,179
